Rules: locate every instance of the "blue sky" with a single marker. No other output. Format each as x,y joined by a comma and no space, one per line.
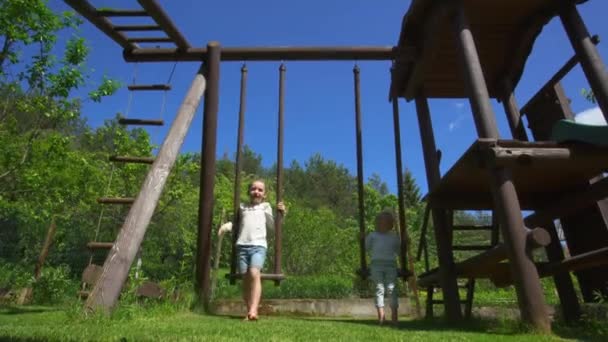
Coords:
319,104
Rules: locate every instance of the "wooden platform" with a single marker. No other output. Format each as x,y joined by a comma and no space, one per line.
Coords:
542,173
504,31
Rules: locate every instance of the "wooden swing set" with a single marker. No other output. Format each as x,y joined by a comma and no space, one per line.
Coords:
470,49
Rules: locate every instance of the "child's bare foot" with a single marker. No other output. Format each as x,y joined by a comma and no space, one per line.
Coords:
252,316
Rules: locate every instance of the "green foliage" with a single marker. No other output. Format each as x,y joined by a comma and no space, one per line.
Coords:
54,285
588,95
14,276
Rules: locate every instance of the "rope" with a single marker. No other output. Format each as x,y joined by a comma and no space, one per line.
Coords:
130,98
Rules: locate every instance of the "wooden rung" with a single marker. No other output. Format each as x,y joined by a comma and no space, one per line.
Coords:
142,122
127,159
115,200
125,28
471,248
473,227
265,276
150,40
142,87
100,245
122,13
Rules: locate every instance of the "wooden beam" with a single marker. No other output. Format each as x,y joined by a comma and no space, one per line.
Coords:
121,13
590,59
568,204
271,53
150,40
502,278
481,265
559,75
137,28
162,19
427,50
442,231
120,258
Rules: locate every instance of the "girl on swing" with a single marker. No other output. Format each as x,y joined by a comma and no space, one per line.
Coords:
255,218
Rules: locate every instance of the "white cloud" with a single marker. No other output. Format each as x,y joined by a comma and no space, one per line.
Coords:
459,105
591,116
456,122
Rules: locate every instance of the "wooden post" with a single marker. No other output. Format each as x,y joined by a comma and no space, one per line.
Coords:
238,167
120,258
278,222
513,115
405,255
360,189
447,272
563,283
529,292
400,193
26,295
205,208
589,57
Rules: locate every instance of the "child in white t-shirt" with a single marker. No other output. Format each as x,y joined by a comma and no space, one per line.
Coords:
255,218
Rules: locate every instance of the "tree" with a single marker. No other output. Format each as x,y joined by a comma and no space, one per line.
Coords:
410,189
378,184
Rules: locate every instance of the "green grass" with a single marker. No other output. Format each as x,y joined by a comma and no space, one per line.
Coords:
158,323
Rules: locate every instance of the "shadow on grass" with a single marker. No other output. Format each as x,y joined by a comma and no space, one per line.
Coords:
22,339
19,310
486,326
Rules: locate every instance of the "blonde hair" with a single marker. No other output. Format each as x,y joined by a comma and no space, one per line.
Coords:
258,180
388,214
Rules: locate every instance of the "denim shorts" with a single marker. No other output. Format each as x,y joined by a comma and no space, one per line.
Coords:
251,257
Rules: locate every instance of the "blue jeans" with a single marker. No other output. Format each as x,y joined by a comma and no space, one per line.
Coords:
251,257
384,276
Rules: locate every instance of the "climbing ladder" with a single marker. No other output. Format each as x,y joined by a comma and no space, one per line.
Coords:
101,18
469,285
92,271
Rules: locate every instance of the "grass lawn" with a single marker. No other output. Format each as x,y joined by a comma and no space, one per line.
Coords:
50,324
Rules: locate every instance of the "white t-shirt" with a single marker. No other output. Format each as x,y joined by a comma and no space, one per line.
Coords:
382,246
256,219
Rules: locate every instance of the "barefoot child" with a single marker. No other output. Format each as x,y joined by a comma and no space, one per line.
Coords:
383,246
255,218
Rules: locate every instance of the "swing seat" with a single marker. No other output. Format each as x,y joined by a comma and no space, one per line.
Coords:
401,273
265,276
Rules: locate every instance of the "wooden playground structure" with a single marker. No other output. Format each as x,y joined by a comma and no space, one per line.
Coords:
469,49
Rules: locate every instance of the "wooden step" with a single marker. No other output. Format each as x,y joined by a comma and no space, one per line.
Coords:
141,122
471,248
100,245
144,87
473,227
115,200
128,159
130,28
150,40
122,13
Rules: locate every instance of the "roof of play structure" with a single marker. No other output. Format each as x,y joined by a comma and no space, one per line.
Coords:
504,33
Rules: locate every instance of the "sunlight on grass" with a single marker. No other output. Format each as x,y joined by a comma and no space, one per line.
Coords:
136,323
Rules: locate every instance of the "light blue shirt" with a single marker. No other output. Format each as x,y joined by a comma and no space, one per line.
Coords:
382,247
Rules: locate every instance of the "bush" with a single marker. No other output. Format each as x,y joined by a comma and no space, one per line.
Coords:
14,276
54,285
296,287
